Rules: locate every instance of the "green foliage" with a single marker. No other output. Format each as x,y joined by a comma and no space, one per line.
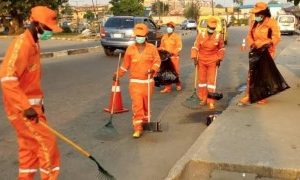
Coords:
192,11
239,2
67,9
89,15
160,8
296,2
127,7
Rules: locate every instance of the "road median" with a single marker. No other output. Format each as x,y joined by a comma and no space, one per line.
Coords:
256,139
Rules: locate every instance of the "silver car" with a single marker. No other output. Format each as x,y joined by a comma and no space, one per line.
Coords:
189,24
117,32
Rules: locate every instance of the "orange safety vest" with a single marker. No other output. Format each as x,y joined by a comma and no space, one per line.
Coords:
172,43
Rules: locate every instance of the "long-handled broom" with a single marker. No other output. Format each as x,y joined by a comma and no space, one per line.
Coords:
109,123
103,174
193,102
151,126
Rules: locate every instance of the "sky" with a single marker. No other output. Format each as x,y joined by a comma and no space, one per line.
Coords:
222,2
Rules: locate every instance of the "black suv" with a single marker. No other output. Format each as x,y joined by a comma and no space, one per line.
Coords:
117,32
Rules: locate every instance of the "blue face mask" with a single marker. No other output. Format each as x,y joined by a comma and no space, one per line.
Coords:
258,18
46,35
140,40
170,30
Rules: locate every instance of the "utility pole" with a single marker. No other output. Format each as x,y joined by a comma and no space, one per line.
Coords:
212,7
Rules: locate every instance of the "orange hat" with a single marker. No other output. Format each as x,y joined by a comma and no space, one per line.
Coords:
212,22
140,29
260,6
46,16
171,24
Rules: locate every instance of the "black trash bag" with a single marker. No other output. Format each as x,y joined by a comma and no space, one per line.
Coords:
265,79
166,74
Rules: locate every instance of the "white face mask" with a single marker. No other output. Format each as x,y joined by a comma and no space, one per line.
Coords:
170,30
210,30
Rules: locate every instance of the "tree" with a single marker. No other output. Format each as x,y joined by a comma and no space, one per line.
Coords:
296,2
89,15
67,9
192,11
127,7
219,6
19,11
160,8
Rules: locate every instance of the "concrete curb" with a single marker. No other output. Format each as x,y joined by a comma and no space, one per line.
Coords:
201,159
75,39
68,52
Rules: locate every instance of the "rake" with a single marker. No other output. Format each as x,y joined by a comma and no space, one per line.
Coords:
103,174
193,102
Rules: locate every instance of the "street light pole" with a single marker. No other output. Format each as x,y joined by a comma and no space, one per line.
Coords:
212,7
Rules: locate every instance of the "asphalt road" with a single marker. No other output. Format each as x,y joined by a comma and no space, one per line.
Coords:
77,88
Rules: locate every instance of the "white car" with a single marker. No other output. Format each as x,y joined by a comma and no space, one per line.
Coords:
189,24
287,23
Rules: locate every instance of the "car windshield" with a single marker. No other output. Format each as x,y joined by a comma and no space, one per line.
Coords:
286,19
192,21
119,23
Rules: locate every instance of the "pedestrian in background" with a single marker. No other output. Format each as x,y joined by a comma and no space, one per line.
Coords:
172,43
23,97
207,53
264,31
140,59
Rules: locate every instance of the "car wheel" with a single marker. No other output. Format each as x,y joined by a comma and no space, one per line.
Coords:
109,51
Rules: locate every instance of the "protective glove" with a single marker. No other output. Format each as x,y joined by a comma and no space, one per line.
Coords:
218,63
115,77
151,72
195,61
31,115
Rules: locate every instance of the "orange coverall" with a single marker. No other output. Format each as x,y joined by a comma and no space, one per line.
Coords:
209,49
138,64
172,44
20,75
259,35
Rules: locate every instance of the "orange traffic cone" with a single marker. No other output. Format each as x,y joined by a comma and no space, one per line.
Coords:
243,46
116,104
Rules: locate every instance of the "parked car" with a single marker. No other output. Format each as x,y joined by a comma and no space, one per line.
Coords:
117,32
287,23
221,26
189,24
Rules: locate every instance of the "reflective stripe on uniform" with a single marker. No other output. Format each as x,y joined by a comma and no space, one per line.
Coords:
157,65
13,58
35,101
115,89
202,85
137,122
141,81
47,171
124,69
23,171
211,86
195,48
9,78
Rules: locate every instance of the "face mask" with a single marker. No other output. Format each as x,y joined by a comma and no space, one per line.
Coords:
46,35
140,40
210,31
258,18
169,30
